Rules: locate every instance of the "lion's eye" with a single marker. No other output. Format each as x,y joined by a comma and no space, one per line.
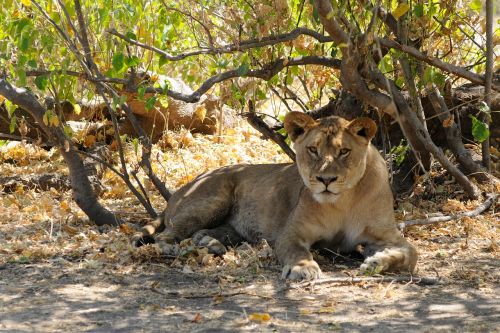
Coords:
313,150
344,152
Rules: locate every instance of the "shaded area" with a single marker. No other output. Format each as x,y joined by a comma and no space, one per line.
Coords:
59,296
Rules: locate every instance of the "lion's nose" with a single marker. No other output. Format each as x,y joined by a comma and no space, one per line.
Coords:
326,180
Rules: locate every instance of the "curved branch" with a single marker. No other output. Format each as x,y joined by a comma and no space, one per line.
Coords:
242,46
41,72
83,194
265,73
449,68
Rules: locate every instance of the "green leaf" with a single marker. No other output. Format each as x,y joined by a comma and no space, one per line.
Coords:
41,82
32,63
10,107
165,85
13,124
140,92
475,5
333,52
132,61
260,94
24,43
162,61
68,131
21,77
131,35
150,103
418,10
135,142
480,130
118,62
431,75
243,69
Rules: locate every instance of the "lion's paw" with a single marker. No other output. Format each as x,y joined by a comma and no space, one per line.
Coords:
213,245
373,265
303,270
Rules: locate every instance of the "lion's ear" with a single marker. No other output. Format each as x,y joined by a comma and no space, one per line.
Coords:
297,123
364,127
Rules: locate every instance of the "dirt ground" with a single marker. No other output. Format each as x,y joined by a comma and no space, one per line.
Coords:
60,273
61,295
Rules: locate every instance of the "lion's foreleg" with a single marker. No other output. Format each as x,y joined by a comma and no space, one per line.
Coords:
391,253
293,252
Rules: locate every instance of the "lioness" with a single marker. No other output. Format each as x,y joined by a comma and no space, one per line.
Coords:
336,195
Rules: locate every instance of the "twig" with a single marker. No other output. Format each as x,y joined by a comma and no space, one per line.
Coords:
263,128
348,280
458,71
178,294
485,145
241,46
490,200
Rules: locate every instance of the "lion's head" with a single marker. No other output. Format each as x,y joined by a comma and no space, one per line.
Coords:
331,152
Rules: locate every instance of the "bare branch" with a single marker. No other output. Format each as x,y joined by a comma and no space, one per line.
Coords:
265,73
327,18
263,128
449,68
91,78
230,48
203,25
454,135
490,200
358,279
488,84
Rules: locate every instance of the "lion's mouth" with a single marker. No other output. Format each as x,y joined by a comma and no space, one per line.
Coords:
327,192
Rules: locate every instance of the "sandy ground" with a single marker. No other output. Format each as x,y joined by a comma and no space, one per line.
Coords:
61,295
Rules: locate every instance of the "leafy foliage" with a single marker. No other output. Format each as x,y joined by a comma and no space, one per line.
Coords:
29,42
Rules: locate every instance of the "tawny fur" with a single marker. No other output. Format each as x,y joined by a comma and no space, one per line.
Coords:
336,195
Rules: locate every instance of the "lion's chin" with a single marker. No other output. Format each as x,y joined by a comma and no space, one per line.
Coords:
326,197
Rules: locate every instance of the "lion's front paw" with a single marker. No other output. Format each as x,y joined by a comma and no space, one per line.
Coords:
303,270
373,265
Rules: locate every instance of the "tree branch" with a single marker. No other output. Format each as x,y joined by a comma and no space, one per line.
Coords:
263,128
230,48
490,200
488,84
358,279
449,68
265,73
83,194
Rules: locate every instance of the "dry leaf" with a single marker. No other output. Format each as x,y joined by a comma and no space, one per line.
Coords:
261,317
448,122
127,230
401,10
201,112
197,318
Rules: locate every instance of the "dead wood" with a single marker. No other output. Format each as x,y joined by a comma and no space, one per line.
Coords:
42,182
261,126
192,295
490,200
360,279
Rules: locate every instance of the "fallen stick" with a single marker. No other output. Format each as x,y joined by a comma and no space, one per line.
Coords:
490,199
192,295
358,279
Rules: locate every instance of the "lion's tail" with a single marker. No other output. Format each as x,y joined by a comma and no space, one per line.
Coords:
145,236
